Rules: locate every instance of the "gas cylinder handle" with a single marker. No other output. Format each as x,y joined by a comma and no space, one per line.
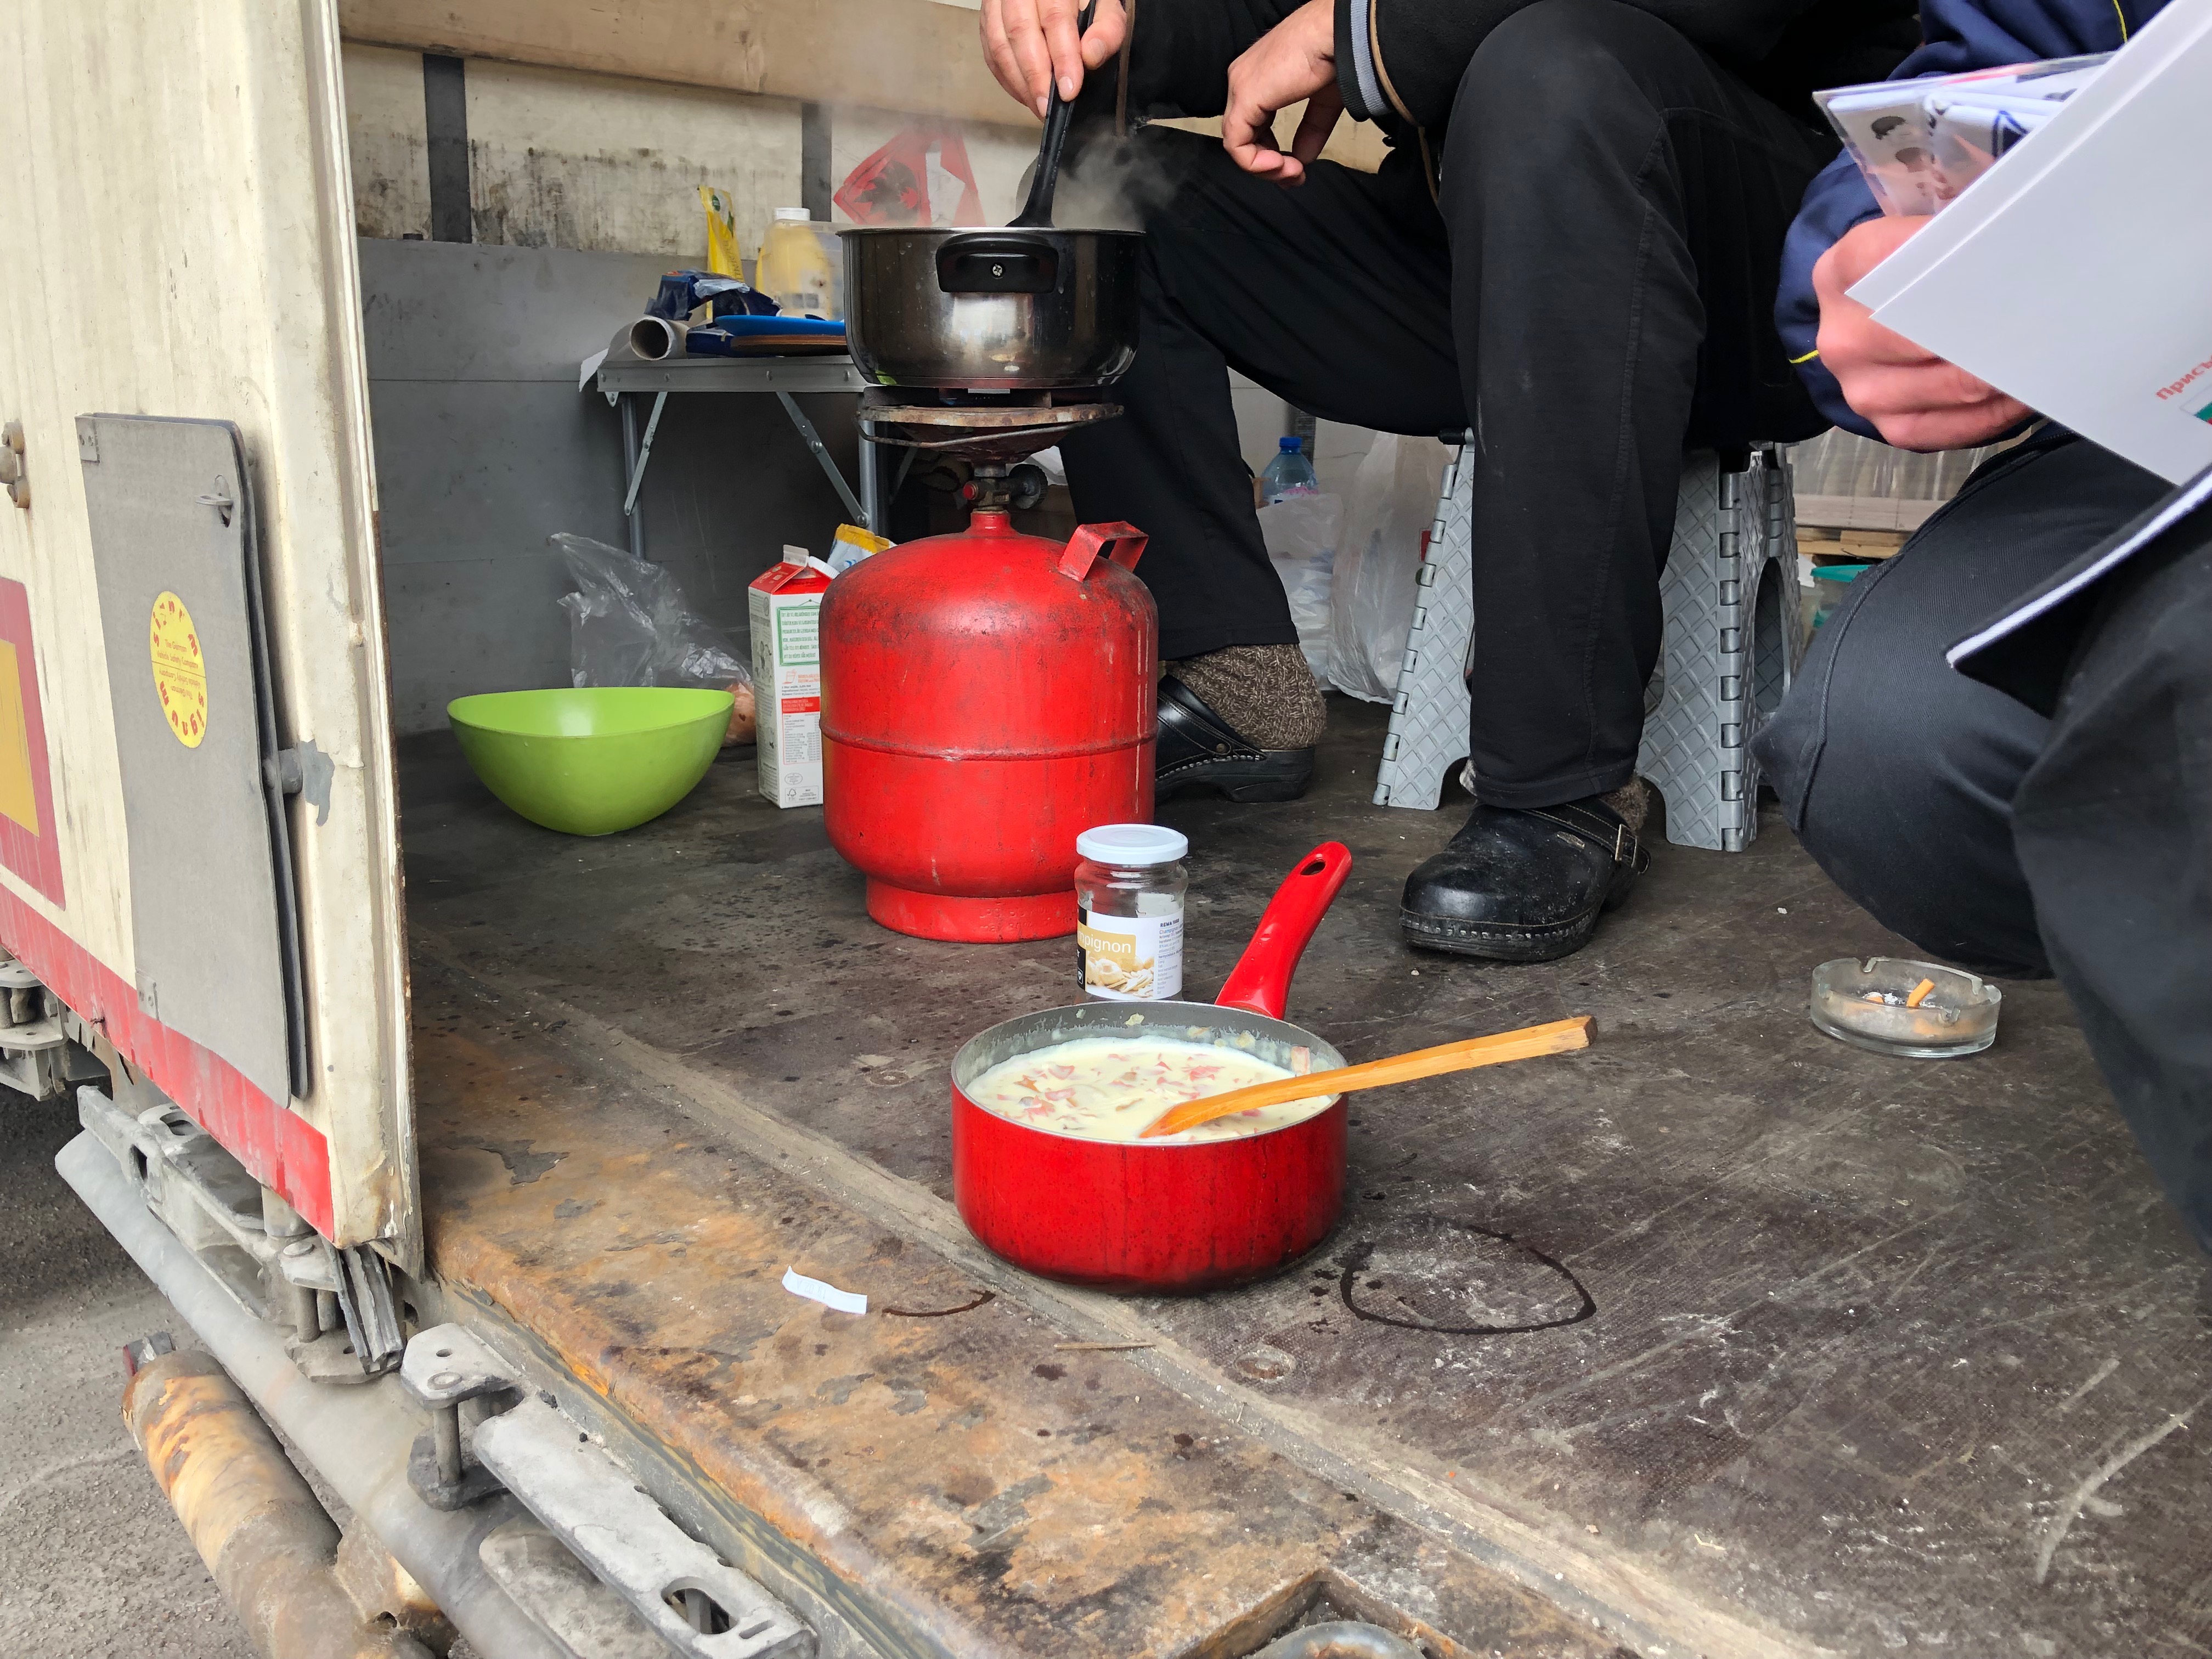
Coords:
1124,544
1259,983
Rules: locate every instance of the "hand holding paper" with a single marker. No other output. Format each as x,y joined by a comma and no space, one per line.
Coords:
2073,273
1915,399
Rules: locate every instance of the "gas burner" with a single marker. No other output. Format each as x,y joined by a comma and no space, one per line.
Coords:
980,425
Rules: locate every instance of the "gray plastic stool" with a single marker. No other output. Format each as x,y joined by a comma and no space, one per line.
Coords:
1429,715
1732,644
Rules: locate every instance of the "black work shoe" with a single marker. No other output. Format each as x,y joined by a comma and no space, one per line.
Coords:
1197,746
1524,884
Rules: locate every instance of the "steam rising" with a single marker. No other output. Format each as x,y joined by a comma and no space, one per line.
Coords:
1111,184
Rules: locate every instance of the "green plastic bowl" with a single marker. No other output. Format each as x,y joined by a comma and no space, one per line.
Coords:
594,759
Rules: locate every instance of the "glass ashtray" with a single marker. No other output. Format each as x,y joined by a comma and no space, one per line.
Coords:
1879,1004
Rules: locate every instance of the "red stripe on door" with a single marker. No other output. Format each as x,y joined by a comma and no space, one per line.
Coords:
280,1148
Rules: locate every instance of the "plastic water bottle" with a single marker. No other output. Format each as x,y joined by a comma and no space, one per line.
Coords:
1289,474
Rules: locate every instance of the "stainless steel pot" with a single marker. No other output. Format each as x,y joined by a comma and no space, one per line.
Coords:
990,309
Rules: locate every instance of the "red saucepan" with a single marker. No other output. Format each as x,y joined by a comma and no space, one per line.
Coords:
1163,1218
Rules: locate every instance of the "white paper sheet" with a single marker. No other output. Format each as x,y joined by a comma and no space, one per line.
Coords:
2154,45
2073,276
2180,506
828,1295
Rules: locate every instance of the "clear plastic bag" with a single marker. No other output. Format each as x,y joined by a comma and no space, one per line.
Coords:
1300,533
1386,524
627,625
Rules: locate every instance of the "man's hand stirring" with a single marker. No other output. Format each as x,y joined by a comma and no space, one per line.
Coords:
1294,60
1030,43
1915,399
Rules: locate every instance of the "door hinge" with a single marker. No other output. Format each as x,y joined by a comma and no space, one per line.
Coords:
306,771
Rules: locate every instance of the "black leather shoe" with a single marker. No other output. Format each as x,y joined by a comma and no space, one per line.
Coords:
1524,884
1197,746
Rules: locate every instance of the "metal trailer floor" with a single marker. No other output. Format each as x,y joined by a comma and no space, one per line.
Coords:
1805,1350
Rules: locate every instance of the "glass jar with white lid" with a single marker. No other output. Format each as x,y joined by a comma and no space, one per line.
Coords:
1129,887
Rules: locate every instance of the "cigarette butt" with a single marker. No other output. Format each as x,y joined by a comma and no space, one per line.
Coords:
1918,994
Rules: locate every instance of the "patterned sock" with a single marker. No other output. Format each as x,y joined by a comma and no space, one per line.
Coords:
1265,692
1633,800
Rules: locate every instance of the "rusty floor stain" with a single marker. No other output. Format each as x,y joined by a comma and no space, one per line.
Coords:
1003,1495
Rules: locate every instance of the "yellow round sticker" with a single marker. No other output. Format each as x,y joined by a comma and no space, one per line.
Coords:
180,672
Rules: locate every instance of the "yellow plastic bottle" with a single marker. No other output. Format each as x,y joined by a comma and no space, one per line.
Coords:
796,270
722,233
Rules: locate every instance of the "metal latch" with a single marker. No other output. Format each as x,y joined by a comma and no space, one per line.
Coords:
37,1056
372,1313
369,1338
310,1264
677,1588
700,1607
22,998
445,1369
302,770
219,499
562,1595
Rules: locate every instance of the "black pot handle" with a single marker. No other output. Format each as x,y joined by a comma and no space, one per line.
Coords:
998,261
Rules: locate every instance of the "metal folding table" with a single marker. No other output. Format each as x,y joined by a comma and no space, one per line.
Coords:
625,381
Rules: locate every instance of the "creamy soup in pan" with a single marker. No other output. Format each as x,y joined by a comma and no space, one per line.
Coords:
1109,1088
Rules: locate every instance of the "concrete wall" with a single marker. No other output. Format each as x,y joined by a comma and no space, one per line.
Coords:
561,159
484,447
601,163
386,143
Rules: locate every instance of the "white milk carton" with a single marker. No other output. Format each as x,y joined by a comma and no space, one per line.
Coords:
786,607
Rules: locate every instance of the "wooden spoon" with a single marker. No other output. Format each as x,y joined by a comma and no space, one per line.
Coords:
1558,1038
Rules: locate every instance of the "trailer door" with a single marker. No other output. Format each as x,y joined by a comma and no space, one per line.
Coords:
198,835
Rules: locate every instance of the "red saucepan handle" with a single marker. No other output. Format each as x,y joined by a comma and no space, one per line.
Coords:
1125,545
1261,981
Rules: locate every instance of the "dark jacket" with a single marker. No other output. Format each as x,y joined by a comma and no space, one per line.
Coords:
1180,56
1414,52
1961,35
1399,62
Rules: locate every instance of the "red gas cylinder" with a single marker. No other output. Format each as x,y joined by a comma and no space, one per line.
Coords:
986,697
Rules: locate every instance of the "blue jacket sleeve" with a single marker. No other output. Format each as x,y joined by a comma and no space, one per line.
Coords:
1960,35
1837,199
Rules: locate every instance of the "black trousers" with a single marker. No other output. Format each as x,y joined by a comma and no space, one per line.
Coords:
1589,294
2019,845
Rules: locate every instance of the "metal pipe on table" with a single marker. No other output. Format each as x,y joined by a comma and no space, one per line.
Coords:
358,1437
656,340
